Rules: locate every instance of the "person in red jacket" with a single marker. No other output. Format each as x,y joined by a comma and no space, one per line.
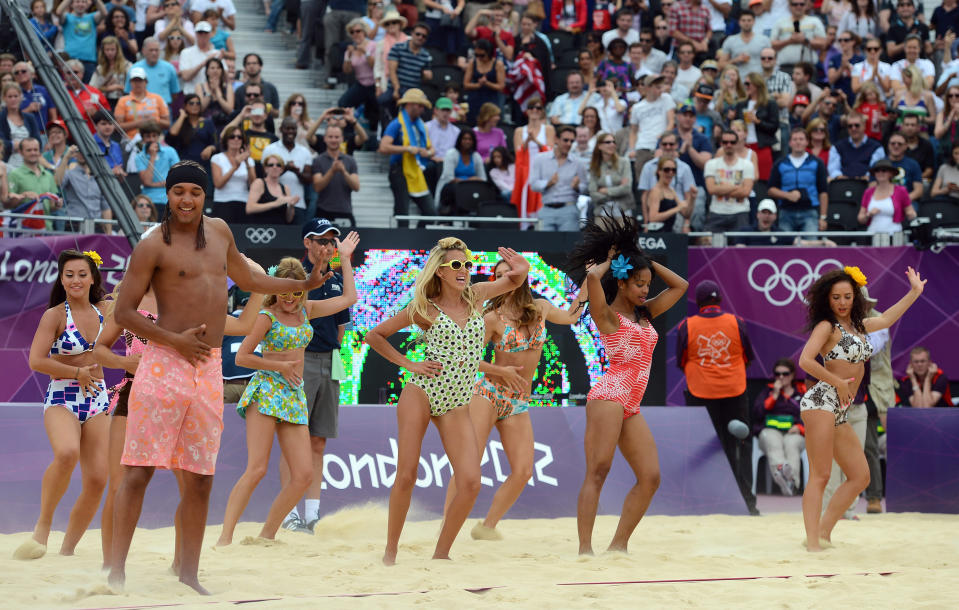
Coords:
568,15
714,350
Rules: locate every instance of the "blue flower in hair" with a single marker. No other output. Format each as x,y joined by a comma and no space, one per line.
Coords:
271,271
621,267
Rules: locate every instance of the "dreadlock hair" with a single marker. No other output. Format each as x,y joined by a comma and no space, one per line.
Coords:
817,301
621,235
58,293
521,297
200,241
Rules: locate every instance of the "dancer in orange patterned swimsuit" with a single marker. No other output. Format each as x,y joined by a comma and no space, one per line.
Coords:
618,286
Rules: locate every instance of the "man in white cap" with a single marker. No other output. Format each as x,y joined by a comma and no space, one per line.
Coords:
193,59
140,106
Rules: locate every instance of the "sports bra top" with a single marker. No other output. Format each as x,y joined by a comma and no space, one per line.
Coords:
446,341
134,342
281,337
632,344
513,340
71,342
851,348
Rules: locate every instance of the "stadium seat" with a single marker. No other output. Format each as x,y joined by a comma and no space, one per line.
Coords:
848,190
566,57
470,194
941,211
843,215
431,91
446,74
495,209
438,55
562,41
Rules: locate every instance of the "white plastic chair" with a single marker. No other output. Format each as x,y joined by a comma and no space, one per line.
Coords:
758,453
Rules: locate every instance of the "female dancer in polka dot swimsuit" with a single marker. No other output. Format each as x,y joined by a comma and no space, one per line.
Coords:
446,307
618,286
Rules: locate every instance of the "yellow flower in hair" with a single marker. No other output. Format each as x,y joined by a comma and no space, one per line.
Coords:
92,255
856,274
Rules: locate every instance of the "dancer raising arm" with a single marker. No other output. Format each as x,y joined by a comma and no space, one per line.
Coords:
618,287
75,398
175,412
445,307
274,400
837,310
516,323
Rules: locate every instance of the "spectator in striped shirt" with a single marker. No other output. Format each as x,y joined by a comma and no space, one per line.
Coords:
408,66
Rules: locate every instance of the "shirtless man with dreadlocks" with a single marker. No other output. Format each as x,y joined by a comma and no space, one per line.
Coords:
175,408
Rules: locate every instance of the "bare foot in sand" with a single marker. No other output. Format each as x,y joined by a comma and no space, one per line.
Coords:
116,580
31,549
438,556
260,541
389,557
616,549
482,532
586,550
224,542
195,585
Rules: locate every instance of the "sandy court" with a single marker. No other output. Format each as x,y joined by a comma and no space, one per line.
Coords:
921,553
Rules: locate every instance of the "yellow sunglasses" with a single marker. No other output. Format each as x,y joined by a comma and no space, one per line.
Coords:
456,265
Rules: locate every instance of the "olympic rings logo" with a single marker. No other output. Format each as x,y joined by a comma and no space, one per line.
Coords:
260,235
794,287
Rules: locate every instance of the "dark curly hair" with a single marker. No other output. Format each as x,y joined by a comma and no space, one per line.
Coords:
817,300
58,293
599,236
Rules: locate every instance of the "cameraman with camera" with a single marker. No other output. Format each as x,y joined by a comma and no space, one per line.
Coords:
799,181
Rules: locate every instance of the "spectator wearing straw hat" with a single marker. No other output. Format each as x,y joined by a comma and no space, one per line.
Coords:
338,14
407,143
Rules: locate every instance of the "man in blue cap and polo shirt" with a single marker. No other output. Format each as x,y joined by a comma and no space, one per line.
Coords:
320,374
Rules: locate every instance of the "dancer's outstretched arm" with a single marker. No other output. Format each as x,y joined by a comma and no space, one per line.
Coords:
889,317
675,289
510,280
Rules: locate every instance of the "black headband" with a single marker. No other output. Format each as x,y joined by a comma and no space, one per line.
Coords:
187,173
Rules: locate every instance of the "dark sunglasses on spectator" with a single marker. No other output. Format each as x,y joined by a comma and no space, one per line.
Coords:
166,4
534,107
782,373
143,204
819,129
322,241
356,31
419,34
730,142
845,40
193,103
608,142
797,4
174,37
272,165
298,103
668,170
667,144
236,136
662,27
872,48
853,125
481,55
248,94
766,58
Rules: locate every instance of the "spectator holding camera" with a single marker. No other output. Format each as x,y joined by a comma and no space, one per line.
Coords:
252,121
153,163
81,193
777,424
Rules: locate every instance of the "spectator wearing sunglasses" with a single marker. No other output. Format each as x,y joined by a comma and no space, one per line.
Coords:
269,201
851,157
777,424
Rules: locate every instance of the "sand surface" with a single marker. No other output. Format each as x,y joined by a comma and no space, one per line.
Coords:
340,566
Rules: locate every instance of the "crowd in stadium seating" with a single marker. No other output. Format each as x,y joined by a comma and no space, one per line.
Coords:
687,113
